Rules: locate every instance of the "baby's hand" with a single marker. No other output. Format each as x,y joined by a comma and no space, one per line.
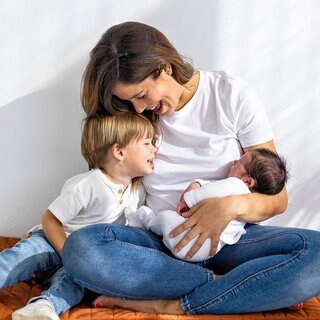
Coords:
182,206
192,186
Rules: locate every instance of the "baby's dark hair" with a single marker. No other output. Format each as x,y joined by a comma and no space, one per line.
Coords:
269,170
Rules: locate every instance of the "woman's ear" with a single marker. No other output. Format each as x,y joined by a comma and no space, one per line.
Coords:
168,69
117,152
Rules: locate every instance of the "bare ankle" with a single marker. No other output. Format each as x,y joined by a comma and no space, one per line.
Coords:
172,307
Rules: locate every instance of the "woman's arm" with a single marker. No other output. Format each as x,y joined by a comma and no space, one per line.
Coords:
54,231
210,217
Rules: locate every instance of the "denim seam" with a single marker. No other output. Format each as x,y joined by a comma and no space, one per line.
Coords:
184,302
187,307
48,296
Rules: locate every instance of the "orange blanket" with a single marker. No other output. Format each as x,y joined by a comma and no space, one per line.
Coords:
17,296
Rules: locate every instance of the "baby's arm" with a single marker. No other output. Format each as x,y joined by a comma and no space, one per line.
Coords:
54,231
219,188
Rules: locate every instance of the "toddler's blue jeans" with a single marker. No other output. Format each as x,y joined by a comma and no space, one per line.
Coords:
36,255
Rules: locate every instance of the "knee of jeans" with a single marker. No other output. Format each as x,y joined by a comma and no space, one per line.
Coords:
303,239
121,233
311,238
110,232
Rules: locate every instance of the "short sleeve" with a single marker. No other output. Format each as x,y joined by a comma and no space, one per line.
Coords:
251,123
66,206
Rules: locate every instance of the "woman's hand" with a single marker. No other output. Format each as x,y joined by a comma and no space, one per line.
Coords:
207,219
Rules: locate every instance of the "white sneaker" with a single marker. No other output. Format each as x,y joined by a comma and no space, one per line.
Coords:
38,310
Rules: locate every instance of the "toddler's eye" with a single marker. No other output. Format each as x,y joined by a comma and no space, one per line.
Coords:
148,142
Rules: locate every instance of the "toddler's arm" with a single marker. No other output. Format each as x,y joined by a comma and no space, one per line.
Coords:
54,231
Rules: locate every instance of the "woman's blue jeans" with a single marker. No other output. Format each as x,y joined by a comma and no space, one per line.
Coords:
269,268
36,255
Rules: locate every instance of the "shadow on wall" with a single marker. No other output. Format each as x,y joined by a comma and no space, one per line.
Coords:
40,134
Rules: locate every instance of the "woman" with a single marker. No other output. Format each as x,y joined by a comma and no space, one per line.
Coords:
207,120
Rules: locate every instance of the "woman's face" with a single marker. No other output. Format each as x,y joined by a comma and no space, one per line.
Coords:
162,95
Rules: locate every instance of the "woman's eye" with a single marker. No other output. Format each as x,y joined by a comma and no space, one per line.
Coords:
143,96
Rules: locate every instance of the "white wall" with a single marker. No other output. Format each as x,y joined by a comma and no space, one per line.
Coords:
274,45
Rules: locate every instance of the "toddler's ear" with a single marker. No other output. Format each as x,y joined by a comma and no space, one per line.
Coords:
117,152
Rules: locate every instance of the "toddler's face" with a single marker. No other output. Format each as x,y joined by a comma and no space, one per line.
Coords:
139,156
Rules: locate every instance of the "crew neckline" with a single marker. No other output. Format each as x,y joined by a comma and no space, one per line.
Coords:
189,104
110,183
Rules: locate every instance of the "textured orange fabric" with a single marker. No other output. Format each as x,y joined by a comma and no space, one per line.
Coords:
17,296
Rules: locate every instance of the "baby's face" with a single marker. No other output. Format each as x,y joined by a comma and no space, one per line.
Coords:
238,167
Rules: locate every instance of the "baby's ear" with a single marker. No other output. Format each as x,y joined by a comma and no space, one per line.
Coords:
250,182
117,151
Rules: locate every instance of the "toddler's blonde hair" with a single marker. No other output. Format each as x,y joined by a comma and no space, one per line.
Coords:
101,132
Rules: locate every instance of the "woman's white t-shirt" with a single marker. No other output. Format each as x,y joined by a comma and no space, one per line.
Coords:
202,139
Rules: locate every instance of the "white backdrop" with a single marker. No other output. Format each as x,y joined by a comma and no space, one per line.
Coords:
273,45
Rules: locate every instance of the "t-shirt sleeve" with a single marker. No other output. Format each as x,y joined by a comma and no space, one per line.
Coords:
251,122
66,206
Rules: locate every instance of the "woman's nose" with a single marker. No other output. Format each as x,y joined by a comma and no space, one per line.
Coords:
139,106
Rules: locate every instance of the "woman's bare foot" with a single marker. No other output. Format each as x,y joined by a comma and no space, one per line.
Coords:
296,307
148,306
